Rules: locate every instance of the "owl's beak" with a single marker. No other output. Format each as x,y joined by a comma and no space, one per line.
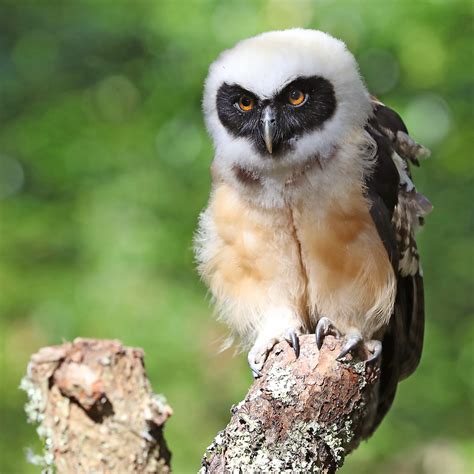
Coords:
268,123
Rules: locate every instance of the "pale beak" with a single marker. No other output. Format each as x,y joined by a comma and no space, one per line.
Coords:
268,121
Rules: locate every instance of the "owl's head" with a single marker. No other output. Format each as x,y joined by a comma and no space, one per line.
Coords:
281,97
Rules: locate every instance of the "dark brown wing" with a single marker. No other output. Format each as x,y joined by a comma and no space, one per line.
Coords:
398,210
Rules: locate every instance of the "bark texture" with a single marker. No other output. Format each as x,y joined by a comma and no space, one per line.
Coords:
96,410
302,415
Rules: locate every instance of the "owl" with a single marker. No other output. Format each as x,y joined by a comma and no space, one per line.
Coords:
310,225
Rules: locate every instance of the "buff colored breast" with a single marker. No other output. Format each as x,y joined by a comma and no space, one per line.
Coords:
255,261
331,263
350,277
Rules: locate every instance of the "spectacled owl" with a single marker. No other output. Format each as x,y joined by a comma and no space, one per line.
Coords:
311,220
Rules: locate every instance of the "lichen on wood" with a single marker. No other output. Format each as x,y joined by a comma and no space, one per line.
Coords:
302,415
95,409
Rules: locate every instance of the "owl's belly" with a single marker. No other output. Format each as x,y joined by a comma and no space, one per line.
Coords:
349,276
332,263
250,260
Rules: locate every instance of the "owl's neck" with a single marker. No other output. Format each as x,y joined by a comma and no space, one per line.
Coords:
325,176
289,176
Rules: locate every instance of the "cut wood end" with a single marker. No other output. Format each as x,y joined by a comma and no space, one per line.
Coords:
96,409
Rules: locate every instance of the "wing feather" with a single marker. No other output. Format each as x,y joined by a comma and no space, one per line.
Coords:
398,210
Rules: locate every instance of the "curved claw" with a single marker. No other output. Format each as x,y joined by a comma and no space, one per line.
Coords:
376,348
353,340
259,353
324,328
254,367
256,374
294,342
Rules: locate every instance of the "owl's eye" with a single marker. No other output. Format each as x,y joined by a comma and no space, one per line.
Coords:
296,97
246,103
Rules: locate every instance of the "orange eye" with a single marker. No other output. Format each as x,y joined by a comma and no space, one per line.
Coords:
246,103
296,97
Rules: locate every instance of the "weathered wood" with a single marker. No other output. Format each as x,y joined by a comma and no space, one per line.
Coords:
302,415
97,413
96,410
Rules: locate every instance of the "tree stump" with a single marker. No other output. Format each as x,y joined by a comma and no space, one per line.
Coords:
96,410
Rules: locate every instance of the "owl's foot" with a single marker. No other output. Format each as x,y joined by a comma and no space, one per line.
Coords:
324,328
375,347
263,346
354,340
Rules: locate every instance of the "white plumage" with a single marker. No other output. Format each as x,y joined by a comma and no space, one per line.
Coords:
264,65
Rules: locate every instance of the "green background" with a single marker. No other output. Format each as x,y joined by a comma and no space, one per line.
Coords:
104,163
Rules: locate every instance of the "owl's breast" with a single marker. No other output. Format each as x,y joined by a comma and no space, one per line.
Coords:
250,255
311,260
349,275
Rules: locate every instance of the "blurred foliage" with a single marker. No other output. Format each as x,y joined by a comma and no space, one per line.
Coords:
104,168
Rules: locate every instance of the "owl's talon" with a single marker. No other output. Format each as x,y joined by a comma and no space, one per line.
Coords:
258,355
294,341
354,340
375,347
324,328
255,373
255,366
264,344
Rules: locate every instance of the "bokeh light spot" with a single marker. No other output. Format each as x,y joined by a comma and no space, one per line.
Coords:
233,21
279,14
179,142
428,119
35,55
116,97
12,176
380,70
423,56
343,23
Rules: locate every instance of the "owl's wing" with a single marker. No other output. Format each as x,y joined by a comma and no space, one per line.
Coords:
398,210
